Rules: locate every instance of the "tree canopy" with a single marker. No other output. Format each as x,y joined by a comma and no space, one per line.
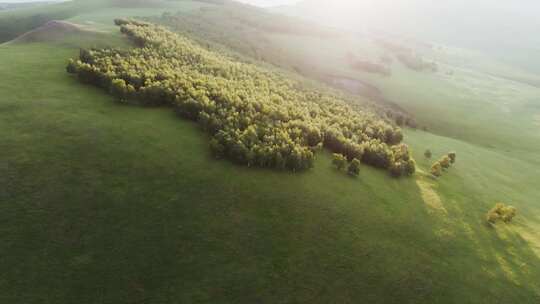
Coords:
255,116
501,212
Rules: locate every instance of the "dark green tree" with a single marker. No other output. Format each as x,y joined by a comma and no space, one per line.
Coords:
452,156
339,161
354,168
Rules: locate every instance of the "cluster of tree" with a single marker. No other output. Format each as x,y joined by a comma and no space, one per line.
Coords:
416,63
443,163
370,67
408,57
341,162
501,212
223,28
256,117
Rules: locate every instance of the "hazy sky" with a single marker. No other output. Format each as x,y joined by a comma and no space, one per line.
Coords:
269,2
254,2
25,1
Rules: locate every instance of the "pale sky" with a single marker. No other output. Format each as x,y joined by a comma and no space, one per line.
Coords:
253,2
266,3
26,1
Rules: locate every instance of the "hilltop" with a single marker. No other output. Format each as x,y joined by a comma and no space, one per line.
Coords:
51,31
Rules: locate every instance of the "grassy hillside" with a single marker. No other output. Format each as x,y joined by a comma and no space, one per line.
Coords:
18,21
103,202
98,13
469,97
92,213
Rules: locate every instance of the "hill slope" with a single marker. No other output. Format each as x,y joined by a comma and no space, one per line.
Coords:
99,13
123,204
461,99
52,30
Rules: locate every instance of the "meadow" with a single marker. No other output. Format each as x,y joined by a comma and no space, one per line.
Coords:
105,202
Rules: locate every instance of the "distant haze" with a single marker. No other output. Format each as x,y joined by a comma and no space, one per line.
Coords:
507,29
269,3
262,3
28,1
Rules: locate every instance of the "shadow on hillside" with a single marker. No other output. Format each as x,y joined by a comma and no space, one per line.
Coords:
497,254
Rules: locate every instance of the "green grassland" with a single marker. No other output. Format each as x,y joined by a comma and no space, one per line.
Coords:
107,203
102,19
98,13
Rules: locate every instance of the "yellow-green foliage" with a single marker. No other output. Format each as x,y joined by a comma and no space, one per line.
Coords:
445,162
403,164
339,161
255,116
501,212
436,169
354,167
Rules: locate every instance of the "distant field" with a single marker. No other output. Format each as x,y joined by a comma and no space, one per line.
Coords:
103,202
98,13
103,19
472,106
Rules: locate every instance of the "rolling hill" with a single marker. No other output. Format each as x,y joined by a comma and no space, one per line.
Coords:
113,203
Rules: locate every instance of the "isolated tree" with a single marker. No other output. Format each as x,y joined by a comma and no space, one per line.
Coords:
396,169
119,88
436,169
509,214
452,156
354,168
428,154
71,67
339,161
410,167
445,162
492,217
501,212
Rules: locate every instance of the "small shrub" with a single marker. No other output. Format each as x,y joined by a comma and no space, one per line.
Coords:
436,169
71,67
339,161
452,156
428,154
410,167
509,214
217,149
445,162
354,168
501,212
396,169
492,217
118,88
